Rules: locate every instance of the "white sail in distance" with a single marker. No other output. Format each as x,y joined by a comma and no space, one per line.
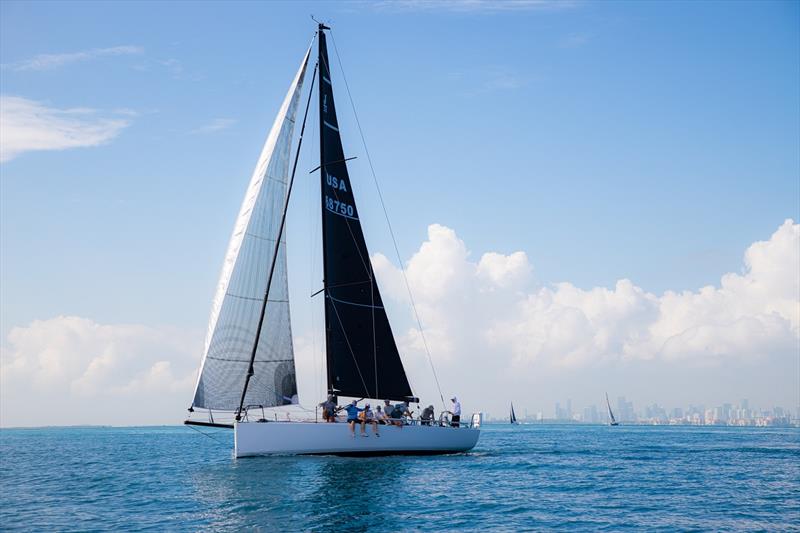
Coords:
242,284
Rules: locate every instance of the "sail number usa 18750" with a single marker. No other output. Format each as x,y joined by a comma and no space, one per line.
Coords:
340,208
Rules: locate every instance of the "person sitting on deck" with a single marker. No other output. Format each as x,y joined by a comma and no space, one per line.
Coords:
406,410
398,412
427,416
380,416
388,411
329,409
352,418
369,418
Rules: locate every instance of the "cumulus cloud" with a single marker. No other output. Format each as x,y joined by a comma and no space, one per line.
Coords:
490,311
53,61
495,334
28,125
73,370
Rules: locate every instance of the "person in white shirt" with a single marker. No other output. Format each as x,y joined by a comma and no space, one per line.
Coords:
456,420
369,418
380,416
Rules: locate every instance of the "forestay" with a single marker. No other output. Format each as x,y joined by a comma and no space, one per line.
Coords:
242,285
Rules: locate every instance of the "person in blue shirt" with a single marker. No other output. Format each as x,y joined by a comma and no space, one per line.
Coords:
352,418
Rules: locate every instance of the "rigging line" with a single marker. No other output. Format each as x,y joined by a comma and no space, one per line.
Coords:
206,434
332,162
386,215
337,285
347,340
353,303
250,370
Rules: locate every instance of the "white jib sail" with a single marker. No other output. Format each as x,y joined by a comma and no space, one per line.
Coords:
240,293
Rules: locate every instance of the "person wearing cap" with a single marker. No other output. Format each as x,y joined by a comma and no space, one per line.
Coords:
427,416
456,420
352,418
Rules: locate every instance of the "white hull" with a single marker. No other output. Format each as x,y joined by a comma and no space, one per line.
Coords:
267,438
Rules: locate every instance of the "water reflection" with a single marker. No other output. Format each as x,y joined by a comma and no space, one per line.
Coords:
279,493
356,493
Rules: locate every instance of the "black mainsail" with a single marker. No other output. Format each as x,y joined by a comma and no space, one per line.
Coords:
513,417
362,356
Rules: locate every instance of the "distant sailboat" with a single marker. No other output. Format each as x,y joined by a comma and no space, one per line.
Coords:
513,417
249,362
612,420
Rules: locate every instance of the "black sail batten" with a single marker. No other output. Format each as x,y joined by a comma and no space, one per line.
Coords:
362,356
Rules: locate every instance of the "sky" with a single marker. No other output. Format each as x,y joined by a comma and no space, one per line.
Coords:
586,196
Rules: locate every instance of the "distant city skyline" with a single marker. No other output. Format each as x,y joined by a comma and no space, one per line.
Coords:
733,414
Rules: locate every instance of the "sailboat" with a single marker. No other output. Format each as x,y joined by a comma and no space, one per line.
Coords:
612,420
248,363
512,416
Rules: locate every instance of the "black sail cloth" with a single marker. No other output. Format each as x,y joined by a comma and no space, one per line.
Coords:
362,355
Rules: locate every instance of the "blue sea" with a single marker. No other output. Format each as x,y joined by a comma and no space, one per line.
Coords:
534,477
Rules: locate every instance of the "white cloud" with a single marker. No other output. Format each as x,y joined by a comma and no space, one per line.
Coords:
53,61
488,313
505,270
218,124
28,125
71,370
495,335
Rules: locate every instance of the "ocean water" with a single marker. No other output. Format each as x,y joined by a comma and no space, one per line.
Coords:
533,477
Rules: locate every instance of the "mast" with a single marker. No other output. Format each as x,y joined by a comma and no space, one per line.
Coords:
362,356
324,73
